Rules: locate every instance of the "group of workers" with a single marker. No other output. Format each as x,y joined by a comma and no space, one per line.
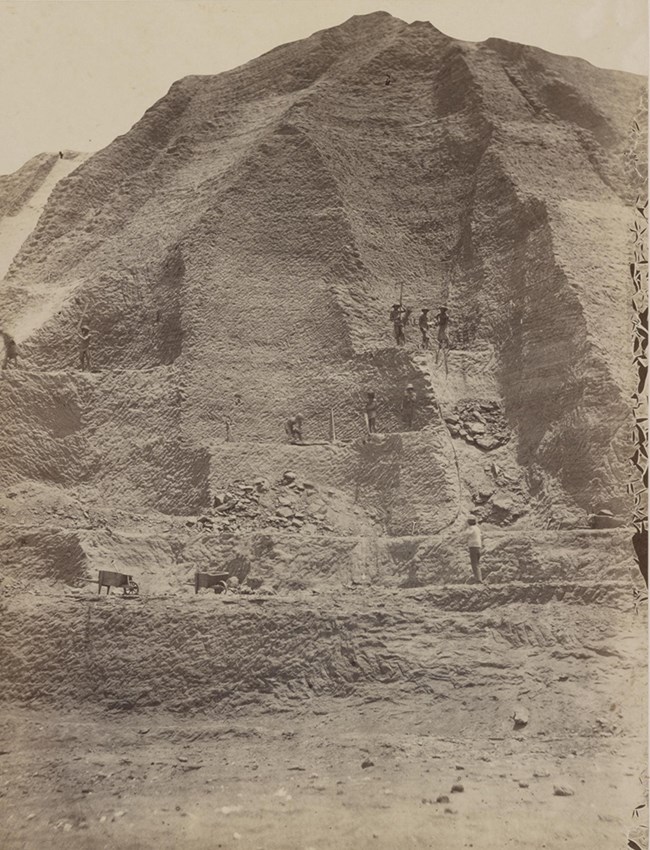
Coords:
293,425
400,317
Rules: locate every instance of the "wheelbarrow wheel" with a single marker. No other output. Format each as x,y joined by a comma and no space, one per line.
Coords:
132,589
220,587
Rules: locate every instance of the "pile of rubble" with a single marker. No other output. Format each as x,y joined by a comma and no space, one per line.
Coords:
289,504
481,423
298,506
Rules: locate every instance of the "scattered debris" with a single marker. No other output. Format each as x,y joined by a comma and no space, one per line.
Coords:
367,763
563,791
457,788
520,718
479,421
289,505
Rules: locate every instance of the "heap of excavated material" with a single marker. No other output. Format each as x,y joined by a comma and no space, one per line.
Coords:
236,254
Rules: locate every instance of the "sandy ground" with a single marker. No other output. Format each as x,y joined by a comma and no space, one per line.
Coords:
297,780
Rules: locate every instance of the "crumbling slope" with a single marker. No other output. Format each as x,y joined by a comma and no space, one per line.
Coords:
245,240
23,196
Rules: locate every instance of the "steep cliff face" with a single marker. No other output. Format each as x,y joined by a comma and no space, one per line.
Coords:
23,196
238,250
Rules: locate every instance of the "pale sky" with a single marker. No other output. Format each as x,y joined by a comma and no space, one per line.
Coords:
74,74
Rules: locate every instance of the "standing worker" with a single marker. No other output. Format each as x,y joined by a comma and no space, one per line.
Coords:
423,322
442,320
371,413
409,400
397,318
11,350
475,544
293,427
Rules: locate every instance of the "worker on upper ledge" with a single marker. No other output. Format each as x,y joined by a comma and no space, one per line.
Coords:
293,427
399,316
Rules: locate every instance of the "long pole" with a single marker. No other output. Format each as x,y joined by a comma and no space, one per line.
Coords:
401,292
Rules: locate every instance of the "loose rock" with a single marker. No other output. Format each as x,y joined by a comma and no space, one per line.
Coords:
563,791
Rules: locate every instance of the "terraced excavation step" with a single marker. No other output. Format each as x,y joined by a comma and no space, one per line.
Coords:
197,652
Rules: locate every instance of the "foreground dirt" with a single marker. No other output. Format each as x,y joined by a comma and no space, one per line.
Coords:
297,780
322,721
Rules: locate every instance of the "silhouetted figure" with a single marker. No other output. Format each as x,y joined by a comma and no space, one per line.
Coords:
475,544
409,402
371,413
399,317
293,427
442,321
424,324
11,351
